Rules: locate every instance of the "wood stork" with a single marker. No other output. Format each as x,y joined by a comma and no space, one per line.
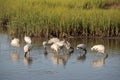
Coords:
27,39
15,42
99,48
60,43
55,47
45,43
68,47
27,49
53,40
82,46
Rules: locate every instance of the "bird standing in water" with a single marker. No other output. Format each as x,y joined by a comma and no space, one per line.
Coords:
53,40
45,43
82,46
27,39
99,48
27,49
15,42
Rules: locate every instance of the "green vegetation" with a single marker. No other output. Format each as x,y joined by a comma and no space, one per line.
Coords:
59,17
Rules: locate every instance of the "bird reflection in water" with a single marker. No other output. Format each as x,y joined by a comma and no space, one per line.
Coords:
15,57
100,62
60,58
83,51
82,57
28,60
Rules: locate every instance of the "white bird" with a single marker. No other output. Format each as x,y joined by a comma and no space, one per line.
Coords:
15,42
27,49
27,39
82,46
99,48
53,40
55,47
45,43
67,45
60,43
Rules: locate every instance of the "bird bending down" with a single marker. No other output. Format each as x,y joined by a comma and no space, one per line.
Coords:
45,43
82,46
68,47
55,47
53,40
27,39
99,48
15,42
27,49
60,43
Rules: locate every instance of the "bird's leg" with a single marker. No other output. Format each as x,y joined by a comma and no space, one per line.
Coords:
29,53
85,51
97,54
80,51
25,54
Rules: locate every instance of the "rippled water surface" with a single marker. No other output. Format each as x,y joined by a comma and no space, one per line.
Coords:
49,66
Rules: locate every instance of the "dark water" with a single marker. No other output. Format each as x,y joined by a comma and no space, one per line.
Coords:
40,66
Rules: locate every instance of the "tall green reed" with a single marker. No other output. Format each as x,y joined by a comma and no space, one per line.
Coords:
58,17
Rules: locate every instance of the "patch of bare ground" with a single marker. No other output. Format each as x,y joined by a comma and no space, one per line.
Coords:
112,5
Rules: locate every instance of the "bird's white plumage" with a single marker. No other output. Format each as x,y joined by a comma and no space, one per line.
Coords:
81,46
67,45
60,43
45,43
99,48
55,47
53,40
27,39
27,48
15,42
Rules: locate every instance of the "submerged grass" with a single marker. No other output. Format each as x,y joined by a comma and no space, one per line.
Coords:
60,17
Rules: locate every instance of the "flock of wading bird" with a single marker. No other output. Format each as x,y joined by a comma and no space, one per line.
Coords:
57,45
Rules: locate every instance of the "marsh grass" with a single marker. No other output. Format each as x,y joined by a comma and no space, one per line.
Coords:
58,17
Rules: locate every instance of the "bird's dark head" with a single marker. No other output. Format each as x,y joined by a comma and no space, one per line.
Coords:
71,50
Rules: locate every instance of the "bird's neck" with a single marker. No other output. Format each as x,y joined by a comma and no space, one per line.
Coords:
106,55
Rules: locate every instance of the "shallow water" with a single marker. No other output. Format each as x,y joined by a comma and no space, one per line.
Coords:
40,66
